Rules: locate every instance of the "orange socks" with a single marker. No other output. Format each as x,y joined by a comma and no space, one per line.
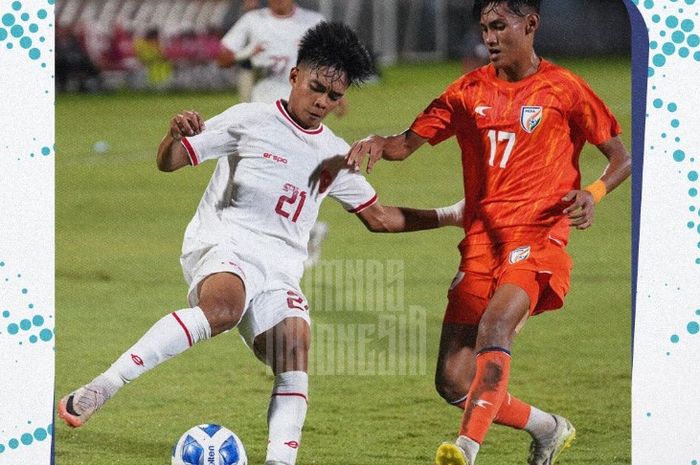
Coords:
487,393
513,412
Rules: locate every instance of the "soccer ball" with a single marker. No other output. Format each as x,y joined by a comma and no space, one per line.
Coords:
209,445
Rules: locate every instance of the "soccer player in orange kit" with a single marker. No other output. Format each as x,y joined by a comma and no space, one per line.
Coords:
520,123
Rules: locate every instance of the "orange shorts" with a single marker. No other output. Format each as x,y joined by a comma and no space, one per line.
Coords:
541,268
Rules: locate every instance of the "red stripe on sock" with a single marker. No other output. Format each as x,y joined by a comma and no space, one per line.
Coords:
291,394
184,328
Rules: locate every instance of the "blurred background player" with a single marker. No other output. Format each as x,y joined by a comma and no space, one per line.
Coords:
268,39
521,123
474,52
243,257
245,75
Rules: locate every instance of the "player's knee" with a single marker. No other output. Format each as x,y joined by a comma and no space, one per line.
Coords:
222,314
222,299
452,385
494,333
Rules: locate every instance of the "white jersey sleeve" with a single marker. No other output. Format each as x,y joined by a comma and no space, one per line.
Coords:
351,188
220,136
239,36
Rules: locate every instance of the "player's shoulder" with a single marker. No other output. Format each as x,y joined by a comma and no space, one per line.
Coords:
248,111
469,80
553,71
257,14
251,17
331,138
308,16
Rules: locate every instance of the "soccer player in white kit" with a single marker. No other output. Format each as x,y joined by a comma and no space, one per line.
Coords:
244,249
269,38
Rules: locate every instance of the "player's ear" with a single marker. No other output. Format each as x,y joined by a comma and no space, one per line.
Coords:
293,75
532,23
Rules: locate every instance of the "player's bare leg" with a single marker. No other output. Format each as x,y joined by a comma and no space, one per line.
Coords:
504,314
454,375
286,349
221,301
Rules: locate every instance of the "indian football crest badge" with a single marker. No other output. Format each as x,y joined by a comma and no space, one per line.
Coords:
519,254
530,118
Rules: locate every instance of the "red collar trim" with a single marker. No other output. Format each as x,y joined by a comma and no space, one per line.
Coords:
294,10
283,110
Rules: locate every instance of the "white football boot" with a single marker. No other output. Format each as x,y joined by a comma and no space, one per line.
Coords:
546,451
77,407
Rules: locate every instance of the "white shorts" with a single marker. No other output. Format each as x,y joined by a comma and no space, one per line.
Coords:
270,297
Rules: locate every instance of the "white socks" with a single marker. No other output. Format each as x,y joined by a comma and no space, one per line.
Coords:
285,416
469,446
540,424
169,336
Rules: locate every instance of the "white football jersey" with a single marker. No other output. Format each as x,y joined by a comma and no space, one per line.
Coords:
280,35
269,182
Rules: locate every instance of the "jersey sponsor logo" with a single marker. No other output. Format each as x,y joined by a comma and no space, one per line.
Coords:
137,360
530,118
519,254
481,110
276,158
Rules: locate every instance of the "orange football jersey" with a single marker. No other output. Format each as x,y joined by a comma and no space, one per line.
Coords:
520,144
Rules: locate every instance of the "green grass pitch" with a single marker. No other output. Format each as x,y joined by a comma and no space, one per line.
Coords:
119,225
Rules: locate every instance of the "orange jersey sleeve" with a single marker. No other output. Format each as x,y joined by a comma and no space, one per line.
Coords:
520,144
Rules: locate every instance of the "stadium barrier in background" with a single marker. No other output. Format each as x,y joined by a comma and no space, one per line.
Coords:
172,44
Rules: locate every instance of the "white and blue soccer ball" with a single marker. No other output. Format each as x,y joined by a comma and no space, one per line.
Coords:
209,445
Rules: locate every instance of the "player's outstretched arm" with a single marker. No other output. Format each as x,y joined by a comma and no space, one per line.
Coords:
619,167
172,155
227,57
381,218
394,148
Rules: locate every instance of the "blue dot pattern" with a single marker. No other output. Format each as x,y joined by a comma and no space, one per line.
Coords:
677,39
23,323
673,28
26,324
26,305
24,439
18,37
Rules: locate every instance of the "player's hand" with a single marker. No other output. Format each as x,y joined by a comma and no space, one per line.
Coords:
581,210
186,123
258,48
373,146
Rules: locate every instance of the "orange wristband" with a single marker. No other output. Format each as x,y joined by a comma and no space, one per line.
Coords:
597,190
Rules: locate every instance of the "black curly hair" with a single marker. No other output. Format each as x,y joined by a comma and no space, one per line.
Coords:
335,46
519,7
